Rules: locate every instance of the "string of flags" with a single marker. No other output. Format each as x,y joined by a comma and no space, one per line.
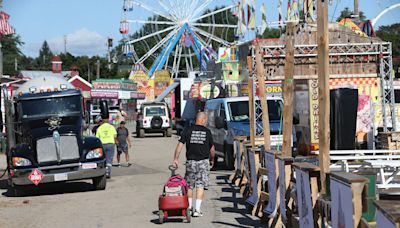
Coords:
5,27
247,20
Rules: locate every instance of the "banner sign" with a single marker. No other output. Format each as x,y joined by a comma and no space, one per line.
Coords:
162,80
115,85
368,93
104,94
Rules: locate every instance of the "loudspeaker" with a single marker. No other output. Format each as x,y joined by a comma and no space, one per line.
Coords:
343,118
104,109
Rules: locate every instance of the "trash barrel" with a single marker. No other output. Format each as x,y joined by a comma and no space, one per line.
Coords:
369,215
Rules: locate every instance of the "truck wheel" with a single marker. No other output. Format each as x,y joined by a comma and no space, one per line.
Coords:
140,133
168,132
229,158
99,183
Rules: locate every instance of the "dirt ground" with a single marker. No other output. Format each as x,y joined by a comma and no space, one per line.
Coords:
130,200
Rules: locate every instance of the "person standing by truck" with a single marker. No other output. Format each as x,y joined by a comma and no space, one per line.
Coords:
108,137
124,143
200,154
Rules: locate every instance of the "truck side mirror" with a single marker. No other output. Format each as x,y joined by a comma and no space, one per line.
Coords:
219,122
104,109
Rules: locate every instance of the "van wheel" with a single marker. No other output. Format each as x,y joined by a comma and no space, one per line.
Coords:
99,183
229,158
140,133
168,133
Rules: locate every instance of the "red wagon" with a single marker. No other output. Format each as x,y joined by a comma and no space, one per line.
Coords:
174,200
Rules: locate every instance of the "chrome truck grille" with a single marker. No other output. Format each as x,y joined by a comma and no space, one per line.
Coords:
47,149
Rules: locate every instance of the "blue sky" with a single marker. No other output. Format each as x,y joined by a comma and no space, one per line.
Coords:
88,23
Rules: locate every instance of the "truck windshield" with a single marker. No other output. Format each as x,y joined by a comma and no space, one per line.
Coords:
239,110
155,111
51,106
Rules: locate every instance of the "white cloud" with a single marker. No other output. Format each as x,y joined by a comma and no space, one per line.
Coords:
80,42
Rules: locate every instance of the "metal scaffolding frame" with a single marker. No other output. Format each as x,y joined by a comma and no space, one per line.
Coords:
378,52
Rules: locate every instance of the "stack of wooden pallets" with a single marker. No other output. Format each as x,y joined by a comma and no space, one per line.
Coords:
389,140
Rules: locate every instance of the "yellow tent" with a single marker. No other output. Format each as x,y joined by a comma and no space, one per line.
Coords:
348,23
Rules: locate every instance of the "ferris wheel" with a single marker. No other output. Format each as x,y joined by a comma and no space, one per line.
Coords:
177,35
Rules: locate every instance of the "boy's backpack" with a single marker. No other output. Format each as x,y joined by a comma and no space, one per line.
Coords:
175,186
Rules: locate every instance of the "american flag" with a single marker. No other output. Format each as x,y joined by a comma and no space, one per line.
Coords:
5,27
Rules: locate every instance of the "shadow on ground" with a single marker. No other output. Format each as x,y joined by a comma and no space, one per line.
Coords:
49,189
235,200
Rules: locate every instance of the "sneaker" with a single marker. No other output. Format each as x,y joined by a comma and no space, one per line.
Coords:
197,214
128,164
119,164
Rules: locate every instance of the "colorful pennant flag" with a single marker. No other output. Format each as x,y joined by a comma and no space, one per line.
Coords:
280,12
309,11
241,19
5,27
289,7
295,11
263,18
251,14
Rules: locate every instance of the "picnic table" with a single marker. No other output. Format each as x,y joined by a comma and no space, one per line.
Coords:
387,169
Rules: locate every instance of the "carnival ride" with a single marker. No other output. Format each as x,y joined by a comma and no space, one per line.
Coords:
180,35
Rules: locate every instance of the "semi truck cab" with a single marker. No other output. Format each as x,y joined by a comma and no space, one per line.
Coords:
46,144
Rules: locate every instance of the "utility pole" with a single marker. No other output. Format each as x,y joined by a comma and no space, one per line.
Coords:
288,88
323,90
356,9
65,44
98,69
88,65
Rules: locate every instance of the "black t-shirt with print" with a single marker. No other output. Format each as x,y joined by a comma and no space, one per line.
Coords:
198,140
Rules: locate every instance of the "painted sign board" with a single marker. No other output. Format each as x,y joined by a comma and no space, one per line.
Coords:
271,173
304,200
341,205
282,189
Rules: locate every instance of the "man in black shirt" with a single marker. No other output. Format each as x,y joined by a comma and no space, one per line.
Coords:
200,154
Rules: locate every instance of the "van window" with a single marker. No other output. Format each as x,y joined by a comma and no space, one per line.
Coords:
239,110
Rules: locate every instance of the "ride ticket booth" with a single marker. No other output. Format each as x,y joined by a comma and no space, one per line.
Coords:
118,93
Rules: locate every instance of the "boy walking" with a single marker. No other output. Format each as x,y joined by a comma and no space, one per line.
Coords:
123,143
108,137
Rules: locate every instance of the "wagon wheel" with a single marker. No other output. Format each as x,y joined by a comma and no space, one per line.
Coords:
188,216
161,216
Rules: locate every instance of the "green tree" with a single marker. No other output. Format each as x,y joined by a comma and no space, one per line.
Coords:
391,33
44,58
11,53
271,33
347,13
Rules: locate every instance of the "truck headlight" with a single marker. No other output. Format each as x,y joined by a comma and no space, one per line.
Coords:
96,153
20,162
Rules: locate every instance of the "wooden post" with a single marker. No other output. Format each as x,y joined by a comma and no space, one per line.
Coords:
288,91
356,9
323,90
251,101
263,97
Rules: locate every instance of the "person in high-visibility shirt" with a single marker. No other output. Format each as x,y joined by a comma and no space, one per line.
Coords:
108,137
